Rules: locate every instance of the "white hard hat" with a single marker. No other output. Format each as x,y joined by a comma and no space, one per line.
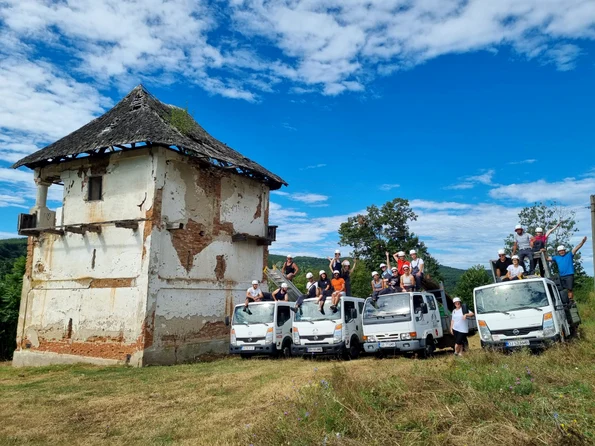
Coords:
457,299
336,272
501,251
400,253
394,268
538,230
346,262
561,248
413,251
405,266
321,272
518,227
283,285
515,257
337,251
382,265
255,282
374,273
289,256
309,275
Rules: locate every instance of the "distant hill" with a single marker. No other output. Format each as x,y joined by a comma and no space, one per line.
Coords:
450,275
11,248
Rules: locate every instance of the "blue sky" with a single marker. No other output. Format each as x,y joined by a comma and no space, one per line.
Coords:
469,109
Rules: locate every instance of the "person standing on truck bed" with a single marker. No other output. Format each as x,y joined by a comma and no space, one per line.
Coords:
324,289
566,266
311,291
346,272
502,264
281,293
417,269
459,327
290,268
522,243
514,271
338,284
253,294
539,244
401,261
335,262
407,279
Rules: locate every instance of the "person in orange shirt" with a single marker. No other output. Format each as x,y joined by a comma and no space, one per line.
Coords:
338,284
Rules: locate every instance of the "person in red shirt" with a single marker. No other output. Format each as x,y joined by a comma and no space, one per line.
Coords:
338,284
401,261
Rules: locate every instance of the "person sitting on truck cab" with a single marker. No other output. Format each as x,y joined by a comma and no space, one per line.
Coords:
514,271
324,289
281,293
384,272
335,262
346,272
393,283
338,284
566,266
401,261
311,291
290,268
501,265
253,294
407,279
538,245
459,327
377,286
417,269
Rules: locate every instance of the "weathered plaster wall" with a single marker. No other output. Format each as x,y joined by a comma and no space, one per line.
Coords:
199,274
85,294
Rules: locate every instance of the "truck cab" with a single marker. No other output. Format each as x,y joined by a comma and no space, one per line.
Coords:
332,333
264,330
529,313
403,322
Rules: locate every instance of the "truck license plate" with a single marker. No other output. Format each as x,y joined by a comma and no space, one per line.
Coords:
517,343
387,344
247,347
314,349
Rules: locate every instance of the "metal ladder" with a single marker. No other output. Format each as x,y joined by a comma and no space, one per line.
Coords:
277,277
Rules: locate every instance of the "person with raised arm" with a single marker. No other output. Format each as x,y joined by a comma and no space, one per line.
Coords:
565,263
346,272
539,244
290,268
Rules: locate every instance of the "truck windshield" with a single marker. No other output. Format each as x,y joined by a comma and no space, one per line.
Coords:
388,308
511,296
311,313
261,314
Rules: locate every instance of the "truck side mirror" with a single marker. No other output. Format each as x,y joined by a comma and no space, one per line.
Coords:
227,321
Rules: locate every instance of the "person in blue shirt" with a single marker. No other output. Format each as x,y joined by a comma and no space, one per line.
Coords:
566,266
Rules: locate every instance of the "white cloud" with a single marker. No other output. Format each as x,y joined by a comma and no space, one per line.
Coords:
289,127
314,166
471,181
529,161
569,191
302,197
387,187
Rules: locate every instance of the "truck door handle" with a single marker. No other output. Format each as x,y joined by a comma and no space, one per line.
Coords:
356,327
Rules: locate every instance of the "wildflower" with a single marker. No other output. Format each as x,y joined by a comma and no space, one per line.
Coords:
556,415
315,369
307,414
299,419
285,413
532,379
247,426
510,387
338,435
324,383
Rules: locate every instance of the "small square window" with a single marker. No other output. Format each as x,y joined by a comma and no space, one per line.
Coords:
95,188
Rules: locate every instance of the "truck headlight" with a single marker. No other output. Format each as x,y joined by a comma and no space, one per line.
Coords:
409,336
234,342
548,325
338,333
269,337
484,331
370,338
296,336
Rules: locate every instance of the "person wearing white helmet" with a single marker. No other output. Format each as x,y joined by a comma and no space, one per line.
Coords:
311,291
384,272
522,244
377,286
253,294
290,268
565,263
538,245
346,271
401,261
393,283
459,326
501,265
324,289
338,286
407,279
281,293
335,262
514,271
417,268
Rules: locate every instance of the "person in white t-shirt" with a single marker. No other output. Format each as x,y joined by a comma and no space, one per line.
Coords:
417,269
253,294
514,271
459,327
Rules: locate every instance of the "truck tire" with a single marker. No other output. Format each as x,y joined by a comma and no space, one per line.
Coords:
353,351
429,349
285,349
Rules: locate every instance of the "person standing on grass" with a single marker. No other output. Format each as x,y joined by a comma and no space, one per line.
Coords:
281,293
338,284
566,266
253,294
290,268
459,327
346,272
324,289
514,271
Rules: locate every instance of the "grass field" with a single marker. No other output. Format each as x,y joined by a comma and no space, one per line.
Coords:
480,399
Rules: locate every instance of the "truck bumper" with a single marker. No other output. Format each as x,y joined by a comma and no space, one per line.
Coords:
534,344
267,349
400,346
327,349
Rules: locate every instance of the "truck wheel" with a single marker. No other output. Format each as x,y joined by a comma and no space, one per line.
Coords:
286,350
353,351
428,350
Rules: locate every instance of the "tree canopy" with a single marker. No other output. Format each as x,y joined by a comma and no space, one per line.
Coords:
472,278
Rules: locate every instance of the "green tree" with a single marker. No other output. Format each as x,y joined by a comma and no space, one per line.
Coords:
385,229
546,216
11,284
472,278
